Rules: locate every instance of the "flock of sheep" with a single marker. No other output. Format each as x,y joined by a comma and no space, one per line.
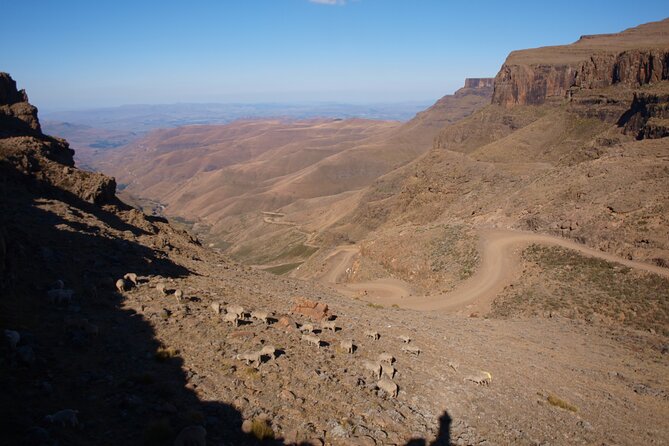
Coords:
382,369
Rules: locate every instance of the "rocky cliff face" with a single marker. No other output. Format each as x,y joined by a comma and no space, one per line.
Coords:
479,82
633,58
480,86
648,116
536,83
17,116
26,151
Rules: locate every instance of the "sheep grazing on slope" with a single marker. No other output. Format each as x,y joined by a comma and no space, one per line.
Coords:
481,378
132,277
347,346
412,350
309,328
373,367
250,357
231,318
75,322
388,370
216,307
178,294
121,285
312,340
60,296
388,386
64,417
13,338
260,315
236,309
268,350
162,288
373,334
330,325
192,436
386,357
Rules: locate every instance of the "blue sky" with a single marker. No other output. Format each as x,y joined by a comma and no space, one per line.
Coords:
78,54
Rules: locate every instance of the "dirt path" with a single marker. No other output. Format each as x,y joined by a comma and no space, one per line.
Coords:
500,252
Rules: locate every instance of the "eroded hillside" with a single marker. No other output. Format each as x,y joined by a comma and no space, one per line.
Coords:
581,156
226,177
91,360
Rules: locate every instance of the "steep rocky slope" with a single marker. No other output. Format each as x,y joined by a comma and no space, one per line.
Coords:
138,365
224,177
581,156
633,58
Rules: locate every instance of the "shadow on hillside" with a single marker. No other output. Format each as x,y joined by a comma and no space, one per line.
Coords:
124,393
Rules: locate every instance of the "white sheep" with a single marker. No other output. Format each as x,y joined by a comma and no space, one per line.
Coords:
312,340
260,315
388,371
373,367
216,307
162,288
132,277
347,345
236,309
330,325
388,386
58,285
121,285
309,328
75,322
412,350
386,357
13,338
91,329
250,357
404,338
232,318
373,334
268,350
192,436
482,378
64,417
178,294
59,296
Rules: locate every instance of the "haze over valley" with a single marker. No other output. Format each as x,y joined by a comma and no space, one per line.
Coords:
490,267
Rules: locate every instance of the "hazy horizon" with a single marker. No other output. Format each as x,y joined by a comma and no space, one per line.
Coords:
82,55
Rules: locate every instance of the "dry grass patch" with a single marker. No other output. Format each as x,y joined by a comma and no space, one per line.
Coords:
563,282
562,404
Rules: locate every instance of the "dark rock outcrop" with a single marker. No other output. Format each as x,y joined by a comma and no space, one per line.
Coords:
17,116
480,86
27,151
648,116
634,58
537,84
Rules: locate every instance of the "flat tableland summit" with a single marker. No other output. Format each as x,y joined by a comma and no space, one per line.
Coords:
493,271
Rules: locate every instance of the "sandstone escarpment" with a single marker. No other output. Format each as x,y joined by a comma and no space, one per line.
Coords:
633,58
648,116
17,116
537,84
26,151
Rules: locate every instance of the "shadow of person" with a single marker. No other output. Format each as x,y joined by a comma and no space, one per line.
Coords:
443,436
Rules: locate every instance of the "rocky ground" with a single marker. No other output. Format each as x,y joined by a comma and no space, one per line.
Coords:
157,365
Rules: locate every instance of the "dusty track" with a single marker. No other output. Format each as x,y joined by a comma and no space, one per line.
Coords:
500,265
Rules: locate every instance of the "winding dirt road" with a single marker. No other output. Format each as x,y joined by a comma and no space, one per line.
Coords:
500,265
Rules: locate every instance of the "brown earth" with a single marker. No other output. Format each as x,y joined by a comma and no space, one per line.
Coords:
223,177
574,346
